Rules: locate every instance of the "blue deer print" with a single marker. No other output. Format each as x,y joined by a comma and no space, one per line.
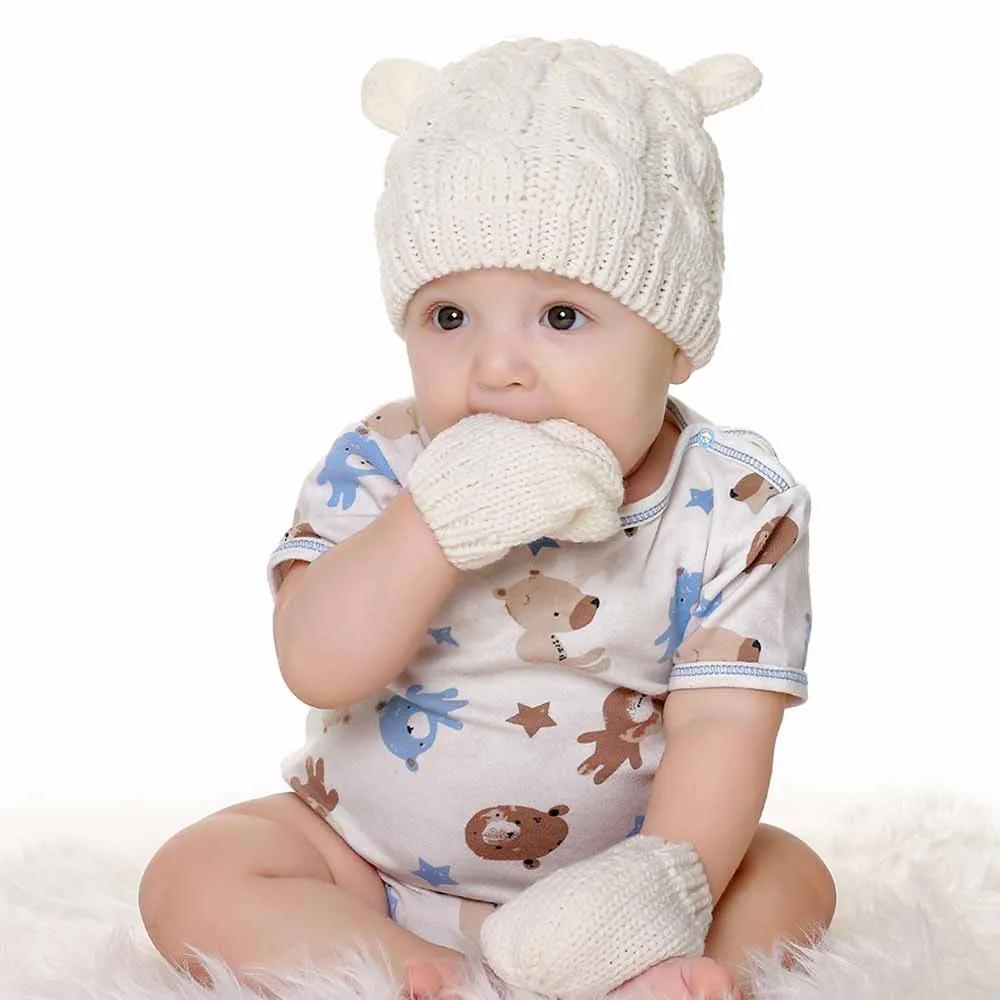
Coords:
409,725
684,603
342,474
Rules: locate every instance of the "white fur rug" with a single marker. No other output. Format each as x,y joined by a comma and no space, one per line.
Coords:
919,915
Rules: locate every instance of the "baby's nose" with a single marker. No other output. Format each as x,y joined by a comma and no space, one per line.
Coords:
503,361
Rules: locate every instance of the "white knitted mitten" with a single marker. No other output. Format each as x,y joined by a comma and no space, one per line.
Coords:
591,926
489,483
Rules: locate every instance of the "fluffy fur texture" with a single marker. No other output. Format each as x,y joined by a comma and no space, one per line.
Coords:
918,914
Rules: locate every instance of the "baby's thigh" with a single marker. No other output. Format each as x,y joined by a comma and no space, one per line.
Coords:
344,866
278,836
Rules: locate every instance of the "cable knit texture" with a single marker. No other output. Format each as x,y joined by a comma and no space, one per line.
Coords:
591,926
584,160
488,483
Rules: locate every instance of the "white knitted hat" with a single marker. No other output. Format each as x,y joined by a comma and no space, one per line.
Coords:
584,160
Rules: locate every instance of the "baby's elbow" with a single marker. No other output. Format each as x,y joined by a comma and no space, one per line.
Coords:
314,684
296,680
301,667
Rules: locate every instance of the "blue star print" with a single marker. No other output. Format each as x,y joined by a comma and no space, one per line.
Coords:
442,636
639,820
705,499
435,875
542,543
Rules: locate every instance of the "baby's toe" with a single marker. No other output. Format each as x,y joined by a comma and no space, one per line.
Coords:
704,976
428,979
682,979
421,979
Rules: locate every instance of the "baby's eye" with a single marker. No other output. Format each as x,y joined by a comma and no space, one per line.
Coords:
562,318
451,317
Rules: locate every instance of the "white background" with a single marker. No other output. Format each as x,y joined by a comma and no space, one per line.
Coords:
190,309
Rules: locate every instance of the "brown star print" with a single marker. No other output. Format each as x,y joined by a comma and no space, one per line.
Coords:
532,718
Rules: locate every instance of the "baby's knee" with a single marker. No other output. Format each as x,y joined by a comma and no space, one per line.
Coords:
192,883
825,888
168,890
800,867
810,871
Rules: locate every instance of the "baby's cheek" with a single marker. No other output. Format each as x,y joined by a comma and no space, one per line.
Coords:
614,432
623,441
429,408
437,419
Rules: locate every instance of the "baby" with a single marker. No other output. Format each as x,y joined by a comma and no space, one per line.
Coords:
548,617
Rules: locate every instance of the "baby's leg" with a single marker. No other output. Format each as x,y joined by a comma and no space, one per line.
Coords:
268,884
782,891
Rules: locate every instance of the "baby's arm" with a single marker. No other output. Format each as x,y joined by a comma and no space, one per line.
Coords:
653,893
713,778
349,622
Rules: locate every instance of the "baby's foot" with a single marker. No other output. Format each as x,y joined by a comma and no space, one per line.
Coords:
429,978
682,979
674,979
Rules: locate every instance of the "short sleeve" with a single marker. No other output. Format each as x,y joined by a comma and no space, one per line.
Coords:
348,488
751,622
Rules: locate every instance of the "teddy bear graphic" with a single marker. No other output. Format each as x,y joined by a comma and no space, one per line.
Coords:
313,790
772,542
753,490
628,717
392,421
300,528
708,644
546,608
516,833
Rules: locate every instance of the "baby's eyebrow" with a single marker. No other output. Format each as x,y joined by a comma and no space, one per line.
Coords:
577,290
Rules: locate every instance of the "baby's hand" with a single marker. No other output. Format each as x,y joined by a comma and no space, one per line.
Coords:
649,898
489,483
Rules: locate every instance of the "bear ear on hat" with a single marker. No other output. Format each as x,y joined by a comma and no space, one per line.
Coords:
721,82
390,88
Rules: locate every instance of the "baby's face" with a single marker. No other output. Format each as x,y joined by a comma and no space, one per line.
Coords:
533,346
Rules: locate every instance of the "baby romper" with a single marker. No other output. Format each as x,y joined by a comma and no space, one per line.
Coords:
526,731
